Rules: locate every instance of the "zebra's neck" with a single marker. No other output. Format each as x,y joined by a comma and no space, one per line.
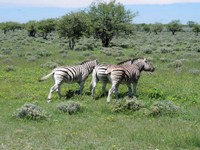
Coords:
139,66
88,67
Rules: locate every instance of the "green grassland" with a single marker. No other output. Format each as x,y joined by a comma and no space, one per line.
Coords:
23,60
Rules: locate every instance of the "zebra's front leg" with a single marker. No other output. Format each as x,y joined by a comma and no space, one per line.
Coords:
129,90
134,88
81,87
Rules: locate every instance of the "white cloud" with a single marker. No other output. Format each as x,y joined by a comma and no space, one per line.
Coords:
84,3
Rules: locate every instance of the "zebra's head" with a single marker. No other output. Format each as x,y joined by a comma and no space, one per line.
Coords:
148,66
144,64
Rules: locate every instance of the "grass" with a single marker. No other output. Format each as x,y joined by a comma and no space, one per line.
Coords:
96,126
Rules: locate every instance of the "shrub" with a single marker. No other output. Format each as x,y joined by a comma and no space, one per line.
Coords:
31,58
43,53
6,51
165,50
114,51
156,93
164,108
69,107
30,111
176,64
162,59
127,104
9,68
194,71
147,50
50,65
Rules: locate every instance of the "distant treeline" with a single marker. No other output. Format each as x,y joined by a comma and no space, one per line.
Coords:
102,20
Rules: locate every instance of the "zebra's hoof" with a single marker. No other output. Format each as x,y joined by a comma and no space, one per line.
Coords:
48,101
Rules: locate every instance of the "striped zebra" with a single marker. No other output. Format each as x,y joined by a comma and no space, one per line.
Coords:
128,74
70,74
98,74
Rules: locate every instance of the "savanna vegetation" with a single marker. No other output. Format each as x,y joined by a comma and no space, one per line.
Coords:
165,114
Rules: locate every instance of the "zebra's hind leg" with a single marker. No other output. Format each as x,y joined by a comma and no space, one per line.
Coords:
114,88
53,88
92,87
104,88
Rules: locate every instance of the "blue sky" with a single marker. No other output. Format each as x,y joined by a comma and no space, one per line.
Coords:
150,11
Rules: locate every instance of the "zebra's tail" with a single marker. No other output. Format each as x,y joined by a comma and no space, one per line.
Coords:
94,78
45,77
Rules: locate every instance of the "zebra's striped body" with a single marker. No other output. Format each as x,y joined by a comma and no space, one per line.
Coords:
98,74
70,74
128,74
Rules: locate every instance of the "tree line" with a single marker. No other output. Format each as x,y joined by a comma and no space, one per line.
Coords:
101,20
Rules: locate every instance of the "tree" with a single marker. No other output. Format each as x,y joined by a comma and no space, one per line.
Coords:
73,26
10,26
46,26
196,28
174,26
31,27
109,19
157,27
146,27
191,23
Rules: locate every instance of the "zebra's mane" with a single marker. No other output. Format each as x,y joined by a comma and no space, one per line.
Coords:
130,59
134,59
84,62
122,62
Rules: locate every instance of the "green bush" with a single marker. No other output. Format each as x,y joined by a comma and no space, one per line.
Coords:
31,112
176,64
156,93
164,108
69,107
9,68
127,104
50,65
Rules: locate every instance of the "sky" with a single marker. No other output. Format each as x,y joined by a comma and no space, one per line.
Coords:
150,11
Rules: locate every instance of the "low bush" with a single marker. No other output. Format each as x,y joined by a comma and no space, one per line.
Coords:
31,112
164,108
50,65
176,64
165,50
69,107
9,68
194,71
127,104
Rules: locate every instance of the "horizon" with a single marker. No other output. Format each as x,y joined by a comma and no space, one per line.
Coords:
162,12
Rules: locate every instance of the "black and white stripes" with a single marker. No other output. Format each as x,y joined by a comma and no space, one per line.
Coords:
98,74
70,74
128,74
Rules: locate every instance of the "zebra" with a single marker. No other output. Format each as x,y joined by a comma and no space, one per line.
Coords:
70,74
127,74
99,74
